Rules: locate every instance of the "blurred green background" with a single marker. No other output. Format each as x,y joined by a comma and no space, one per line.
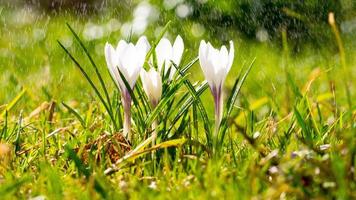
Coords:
298,67
30,57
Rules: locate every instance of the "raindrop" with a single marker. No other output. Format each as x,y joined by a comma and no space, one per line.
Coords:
93,31
113,25
67,41
256,135
262,35
158,31
348,26
198,30
39,34
183,10
139,26
273,170
99,49
170,4
126,29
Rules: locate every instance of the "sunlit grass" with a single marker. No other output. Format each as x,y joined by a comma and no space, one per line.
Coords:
290,134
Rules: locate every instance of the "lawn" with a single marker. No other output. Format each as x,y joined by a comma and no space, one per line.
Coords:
287,131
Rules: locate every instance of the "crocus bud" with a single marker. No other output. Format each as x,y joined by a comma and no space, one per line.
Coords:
152,85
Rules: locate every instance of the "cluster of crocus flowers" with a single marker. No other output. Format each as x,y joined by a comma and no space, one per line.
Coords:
215,65
129,59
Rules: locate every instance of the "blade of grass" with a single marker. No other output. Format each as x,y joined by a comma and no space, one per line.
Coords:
90,82
84,170
303,125
164,30
187,104
199,104
13,102
231,101
5,127
189,65
76,114
93,64
141,151
9,187
294,86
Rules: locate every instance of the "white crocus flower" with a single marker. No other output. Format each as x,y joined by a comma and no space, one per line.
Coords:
216,64
166,53
152,85
128,59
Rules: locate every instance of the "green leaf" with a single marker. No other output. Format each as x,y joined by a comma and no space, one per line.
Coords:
200,89
84,170
294,86
76,114
303,125
13,103
90,82
199,104
164,30
231,101
93,64
189,65
14,186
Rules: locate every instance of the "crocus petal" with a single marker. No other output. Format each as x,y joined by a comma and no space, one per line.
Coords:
142,48
177,52
112,62
143,44
202,57
205,65
178,48
121,46
129,65
135,76
163,53
145,79
231,56
156,84
128,60
224,61
213,58
224,56
131,59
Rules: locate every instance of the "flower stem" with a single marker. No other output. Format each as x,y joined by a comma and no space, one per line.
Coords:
154,132
154,136
218,109
126,101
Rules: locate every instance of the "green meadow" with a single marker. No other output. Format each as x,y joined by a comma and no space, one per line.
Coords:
288,127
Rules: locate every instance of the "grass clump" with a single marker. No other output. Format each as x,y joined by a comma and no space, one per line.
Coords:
287,129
